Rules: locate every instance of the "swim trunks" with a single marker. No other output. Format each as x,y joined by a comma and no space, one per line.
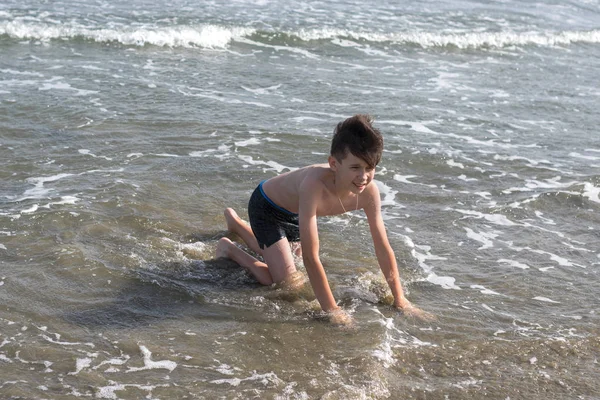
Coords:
270,222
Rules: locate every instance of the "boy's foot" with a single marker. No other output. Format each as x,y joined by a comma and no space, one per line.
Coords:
223,248
232,219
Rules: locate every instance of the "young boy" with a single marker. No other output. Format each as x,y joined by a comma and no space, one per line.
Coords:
284,209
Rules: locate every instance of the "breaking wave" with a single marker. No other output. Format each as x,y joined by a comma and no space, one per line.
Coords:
205,36
218,37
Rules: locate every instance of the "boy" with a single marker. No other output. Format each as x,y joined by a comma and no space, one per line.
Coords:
284,209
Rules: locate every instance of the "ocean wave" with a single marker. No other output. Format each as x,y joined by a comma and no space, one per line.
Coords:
459,40
205,36
217,36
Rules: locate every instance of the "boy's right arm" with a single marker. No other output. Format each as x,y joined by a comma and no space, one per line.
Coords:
310,193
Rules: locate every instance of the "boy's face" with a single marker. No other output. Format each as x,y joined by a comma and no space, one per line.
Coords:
352,173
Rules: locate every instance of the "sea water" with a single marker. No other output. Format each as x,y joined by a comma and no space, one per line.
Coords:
127,127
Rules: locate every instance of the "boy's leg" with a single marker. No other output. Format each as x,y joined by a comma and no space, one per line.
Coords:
236,225
226,248
278,265
279,260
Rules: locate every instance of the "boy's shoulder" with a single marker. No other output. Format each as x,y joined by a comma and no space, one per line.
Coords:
314,176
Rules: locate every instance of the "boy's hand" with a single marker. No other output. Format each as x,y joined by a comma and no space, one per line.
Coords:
413,311
340,317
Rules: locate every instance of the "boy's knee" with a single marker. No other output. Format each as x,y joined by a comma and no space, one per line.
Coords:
224,242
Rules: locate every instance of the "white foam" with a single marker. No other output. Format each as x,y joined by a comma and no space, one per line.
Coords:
497,219
65,86
63,343
64,200
219,96
446,282
484,290
248,142
469,382
513,263
267,379
485,238
302,119
415,126
462,40
150,364
545,269
113,361
220,152
405,179
453,163
583,156
385,354
499,39
89,153
226,369
421,128
530,162
206,36
263,91
591,192
290,49
531,184
93,68
545,220
545,299
108,392
102,171
30,210
80,364
393,337
558,259
14,72
272,164
488,143
388,194
464,178
166,155
39,192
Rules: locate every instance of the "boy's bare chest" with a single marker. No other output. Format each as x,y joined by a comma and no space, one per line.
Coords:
333,205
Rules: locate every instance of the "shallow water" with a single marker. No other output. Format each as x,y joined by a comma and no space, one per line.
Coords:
125,133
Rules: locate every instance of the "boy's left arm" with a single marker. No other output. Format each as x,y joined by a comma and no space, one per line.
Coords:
385,254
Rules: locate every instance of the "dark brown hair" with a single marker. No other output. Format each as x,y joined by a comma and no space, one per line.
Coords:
357,135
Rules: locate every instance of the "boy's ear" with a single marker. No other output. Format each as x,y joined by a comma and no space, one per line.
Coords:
333,163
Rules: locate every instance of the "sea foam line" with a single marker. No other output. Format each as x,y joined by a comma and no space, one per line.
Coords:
500,39
217,36
208,36
151,364
462,40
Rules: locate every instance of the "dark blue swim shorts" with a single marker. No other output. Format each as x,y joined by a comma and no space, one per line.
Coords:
270,222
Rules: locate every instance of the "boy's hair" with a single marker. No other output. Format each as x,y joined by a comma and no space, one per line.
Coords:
357,135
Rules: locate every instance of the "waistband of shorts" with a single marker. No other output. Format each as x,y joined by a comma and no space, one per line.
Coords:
271,201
